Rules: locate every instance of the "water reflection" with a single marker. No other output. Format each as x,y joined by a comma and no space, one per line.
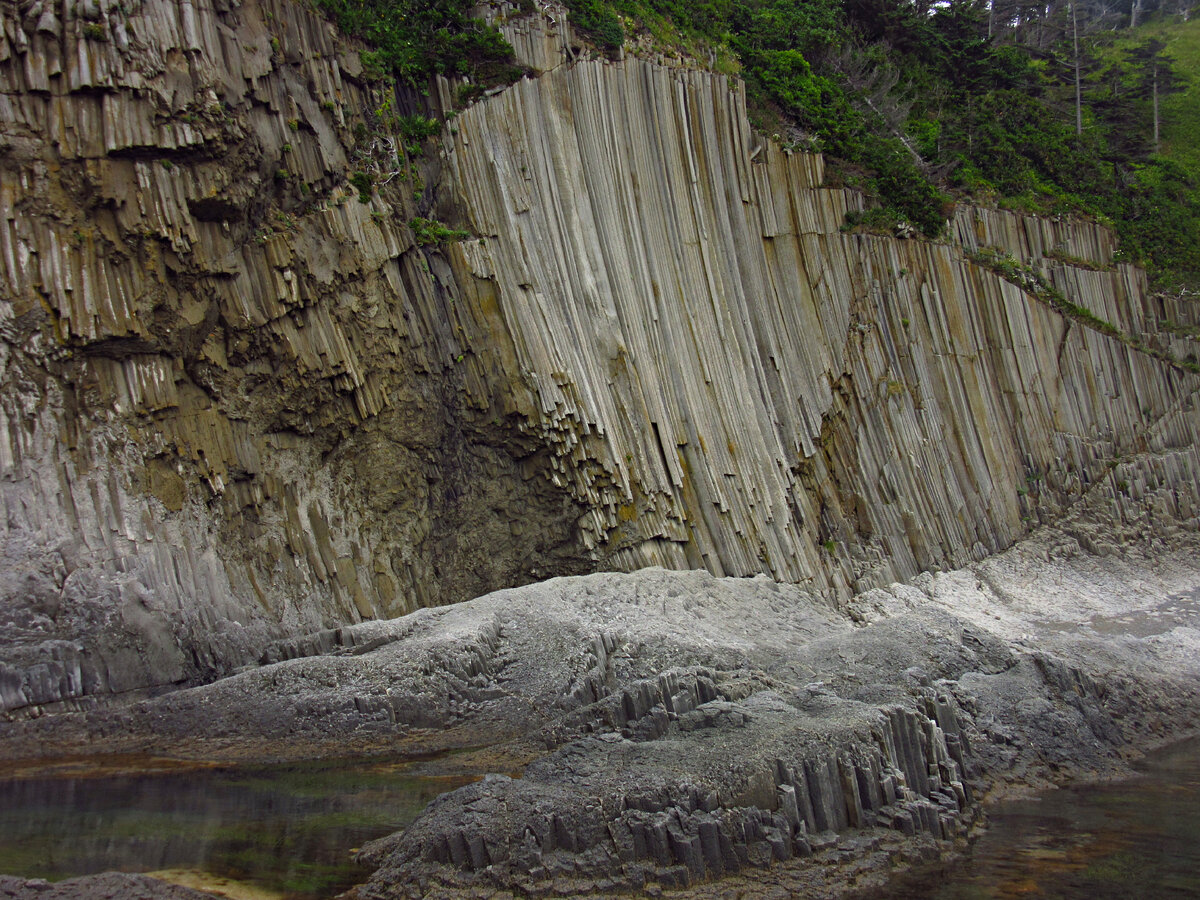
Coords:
1130,839
287,829
290,829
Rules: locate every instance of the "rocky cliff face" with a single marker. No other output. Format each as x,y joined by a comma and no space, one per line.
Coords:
241,405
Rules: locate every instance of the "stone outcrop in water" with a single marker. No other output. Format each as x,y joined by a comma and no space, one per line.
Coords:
107,886
673,729
239,406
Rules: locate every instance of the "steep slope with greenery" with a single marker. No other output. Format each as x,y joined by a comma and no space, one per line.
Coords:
918,104
415,38
1160,224
920,107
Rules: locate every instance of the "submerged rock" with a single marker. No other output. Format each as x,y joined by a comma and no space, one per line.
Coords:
106,886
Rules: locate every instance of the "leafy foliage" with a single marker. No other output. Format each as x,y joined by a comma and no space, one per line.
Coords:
414,38
364,183
431,232
916,104
596,20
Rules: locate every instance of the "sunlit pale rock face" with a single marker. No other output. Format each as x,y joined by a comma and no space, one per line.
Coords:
239,405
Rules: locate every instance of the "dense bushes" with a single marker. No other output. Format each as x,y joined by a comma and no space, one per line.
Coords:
415,38
912,102
595,20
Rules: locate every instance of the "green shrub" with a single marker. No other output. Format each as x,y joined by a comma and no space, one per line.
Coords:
597,22
415,129
364,182
431,232
414,39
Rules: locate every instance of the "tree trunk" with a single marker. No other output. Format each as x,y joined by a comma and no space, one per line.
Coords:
1078,86
1155,86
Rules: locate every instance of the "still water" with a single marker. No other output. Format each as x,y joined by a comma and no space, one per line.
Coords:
1137,838
288,831
284,831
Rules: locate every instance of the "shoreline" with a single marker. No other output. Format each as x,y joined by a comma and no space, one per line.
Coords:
687,733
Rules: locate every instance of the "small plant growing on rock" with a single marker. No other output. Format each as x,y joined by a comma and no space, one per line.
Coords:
374,66
95,31
468,94
415,130
365,184
418,128
431,232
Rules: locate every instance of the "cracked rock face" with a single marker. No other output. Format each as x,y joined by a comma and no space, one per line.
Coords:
244,413
108,886
231,409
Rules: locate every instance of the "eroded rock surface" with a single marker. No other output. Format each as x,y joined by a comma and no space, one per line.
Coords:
682,730
232,404
814,758
239,406
107,886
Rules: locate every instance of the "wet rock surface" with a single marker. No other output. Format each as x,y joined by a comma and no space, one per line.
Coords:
825,758
667,731
108,886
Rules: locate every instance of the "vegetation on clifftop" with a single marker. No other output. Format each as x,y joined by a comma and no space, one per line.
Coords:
923,103
1053,109
417,38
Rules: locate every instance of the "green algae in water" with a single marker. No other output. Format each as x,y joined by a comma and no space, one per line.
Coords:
288,830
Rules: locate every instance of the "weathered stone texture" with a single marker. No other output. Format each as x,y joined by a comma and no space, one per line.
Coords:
234,406
239,405
730,381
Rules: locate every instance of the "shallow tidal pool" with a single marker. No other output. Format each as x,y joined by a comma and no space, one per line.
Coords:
282,831
289,831
1134,839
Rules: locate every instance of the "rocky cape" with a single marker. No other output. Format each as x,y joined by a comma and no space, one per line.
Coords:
258,399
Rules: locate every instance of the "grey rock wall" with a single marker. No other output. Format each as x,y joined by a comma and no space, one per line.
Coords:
240,406
731,382
231,406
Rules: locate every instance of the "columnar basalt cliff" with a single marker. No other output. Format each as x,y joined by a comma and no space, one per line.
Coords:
239,405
